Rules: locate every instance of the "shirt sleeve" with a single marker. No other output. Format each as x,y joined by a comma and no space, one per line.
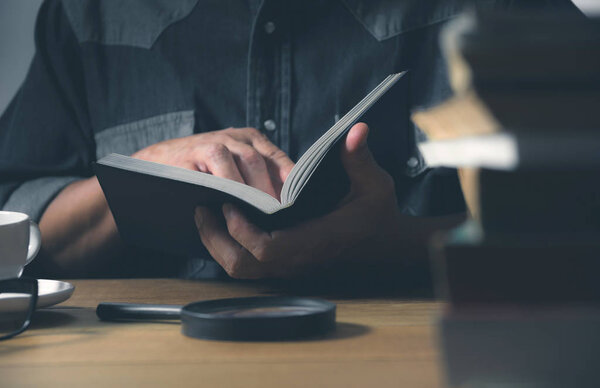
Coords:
46,140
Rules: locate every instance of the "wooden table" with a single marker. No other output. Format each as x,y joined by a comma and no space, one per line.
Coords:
379,342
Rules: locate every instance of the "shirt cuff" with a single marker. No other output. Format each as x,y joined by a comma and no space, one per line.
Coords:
32,197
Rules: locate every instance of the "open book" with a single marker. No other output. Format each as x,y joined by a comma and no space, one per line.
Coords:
153,204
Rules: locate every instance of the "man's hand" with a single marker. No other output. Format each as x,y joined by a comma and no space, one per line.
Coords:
367,224
242,154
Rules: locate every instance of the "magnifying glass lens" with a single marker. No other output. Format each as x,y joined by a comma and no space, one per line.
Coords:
263,312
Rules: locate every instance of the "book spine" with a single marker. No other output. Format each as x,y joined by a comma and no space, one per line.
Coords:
539,201
526,271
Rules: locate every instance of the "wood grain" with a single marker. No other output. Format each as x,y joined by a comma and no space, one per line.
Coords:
383,341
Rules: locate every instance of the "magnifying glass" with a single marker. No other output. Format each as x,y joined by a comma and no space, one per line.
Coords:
262,318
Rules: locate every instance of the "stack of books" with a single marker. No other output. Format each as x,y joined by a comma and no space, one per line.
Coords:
522,277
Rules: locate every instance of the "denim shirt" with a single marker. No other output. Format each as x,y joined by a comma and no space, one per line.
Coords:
117,76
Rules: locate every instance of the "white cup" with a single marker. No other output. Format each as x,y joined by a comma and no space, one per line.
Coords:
20,241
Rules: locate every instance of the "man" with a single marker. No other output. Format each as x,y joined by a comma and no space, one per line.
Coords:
160,80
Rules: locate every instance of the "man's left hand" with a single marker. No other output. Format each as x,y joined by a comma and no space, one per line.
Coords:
366,225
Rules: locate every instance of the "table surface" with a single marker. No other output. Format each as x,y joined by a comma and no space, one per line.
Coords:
379,341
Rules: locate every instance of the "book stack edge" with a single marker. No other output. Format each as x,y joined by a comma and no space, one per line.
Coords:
520,277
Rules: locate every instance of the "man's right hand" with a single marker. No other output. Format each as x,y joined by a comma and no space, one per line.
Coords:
78,231
241,154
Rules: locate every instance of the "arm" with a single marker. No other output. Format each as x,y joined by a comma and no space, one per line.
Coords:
79,234
46,141
366,225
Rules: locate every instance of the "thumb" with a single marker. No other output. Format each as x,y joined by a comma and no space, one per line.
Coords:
356,156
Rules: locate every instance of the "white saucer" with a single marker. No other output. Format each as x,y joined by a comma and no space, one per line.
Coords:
50,292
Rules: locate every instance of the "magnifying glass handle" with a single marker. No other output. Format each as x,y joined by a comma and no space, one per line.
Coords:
136,311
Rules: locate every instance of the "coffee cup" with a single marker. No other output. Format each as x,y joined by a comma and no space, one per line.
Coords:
20,241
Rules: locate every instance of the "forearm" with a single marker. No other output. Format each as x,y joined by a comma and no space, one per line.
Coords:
79,236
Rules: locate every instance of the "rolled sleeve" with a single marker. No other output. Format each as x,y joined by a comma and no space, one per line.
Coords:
46,141
32,197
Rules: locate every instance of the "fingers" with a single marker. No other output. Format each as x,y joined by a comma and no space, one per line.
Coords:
357,158
254,239
254,258
252,167
240,154
235,260
218,160
356,138
290,251
278,162
252,158
276,254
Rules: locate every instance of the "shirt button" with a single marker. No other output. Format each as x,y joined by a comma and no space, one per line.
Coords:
270,125
269,27
412,162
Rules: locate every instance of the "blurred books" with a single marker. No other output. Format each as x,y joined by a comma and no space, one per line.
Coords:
528,73
521,277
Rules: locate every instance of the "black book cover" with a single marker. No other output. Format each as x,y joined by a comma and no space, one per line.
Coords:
473,268
158,213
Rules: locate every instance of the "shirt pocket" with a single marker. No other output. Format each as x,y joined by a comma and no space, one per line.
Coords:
130,137
136,23
384,19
